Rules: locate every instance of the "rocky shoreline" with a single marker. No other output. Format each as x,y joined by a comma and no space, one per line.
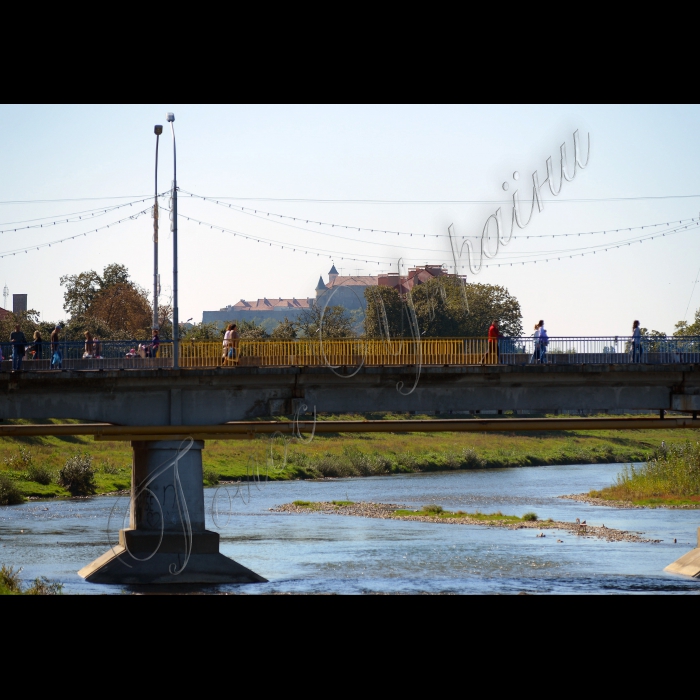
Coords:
585,498
387,511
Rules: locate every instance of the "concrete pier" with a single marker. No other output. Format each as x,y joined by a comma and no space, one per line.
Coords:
167,541
688,564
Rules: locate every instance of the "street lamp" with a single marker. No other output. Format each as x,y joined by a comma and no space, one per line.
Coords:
157,130
176,341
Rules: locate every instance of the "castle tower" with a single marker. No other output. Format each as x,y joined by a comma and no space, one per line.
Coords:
332,275
321,287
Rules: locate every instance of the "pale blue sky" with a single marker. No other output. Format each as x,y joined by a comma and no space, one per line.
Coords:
407,152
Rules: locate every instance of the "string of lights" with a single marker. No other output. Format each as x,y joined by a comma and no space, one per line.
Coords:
609,244
8,253
278,218
565,256
71,217
552,255
286,246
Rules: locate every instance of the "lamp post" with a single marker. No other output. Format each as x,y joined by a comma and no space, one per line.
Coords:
157,130
176,341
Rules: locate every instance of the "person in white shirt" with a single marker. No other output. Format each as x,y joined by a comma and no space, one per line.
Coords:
227,344
536,352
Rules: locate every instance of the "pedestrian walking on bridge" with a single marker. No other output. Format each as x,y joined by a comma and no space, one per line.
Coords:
636,342
38,345
56,356
536,343
155,343
19,345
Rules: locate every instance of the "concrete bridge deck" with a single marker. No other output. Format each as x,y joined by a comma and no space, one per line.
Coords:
219,395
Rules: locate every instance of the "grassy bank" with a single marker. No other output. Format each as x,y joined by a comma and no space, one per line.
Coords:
11,584
27,462
670,477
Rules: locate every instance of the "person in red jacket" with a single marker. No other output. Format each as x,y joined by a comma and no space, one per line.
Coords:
493,352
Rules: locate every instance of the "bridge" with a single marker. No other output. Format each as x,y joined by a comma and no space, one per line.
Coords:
167,414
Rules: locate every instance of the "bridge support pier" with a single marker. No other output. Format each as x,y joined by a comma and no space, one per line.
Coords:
688,564
167,541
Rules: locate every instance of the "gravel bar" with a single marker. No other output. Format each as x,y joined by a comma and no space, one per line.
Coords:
387,511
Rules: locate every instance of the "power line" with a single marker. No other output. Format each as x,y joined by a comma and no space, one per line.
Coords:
452,201
70,199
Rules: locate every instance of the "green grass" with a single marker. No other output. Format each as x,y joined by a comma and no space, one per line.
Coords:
343,503
341,454
670,477
430,511
11,584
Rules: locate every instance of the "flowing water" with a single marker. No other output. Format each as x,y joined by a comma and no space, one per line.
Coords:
318,553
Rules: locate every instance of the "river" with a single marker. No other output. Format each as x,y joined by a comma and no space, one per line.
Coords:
334,554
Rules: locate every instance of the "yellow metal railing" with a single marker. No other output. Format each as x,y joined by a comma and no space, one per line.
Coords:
349,352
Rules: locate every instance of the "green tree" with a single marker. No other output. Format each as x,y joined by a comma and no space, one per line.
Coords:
201,332
28,322
385,313
285,330
80,291
441,310
250,330
337,322
684,328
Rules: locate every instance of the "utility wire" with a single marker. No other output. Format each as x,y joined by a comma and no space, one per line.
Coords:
451,201
70,199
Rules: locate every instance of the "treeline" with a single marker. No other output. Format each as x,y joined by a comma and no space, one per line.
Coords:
441,308
110,306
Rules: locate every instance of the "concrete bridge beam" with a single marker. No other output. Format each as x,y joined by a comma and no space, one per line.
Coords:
167,541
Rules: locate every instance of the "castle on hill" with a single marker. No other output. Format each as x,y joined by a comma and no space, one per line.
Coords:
340,290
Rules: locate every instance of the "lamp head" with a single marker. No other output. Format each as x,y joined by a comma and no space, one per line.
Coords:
170,117
158,129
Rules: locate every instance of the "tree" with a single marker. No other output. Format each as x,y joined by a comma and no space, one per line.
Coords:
441,311
385,313
122,306
109,305
249,330
683,328
285,330
28,322
80,291
335,320
203,332
114,274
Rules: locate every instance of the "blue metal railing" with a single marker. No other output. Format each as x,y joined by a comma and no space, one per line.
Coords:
78,355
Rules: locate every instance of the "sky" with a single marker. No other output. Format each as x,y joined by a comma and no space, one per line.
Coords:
415,169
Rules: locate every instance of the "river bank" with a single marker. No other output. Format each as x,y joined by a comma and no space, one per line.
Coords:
392,511
670,503
337,455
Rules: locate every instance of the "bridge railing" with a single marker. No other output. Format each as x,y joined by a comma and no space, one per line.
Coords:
356,351
103,354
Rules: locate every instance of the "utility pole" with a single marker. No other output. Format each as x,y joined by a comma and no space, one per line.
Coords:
176,340
157,130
